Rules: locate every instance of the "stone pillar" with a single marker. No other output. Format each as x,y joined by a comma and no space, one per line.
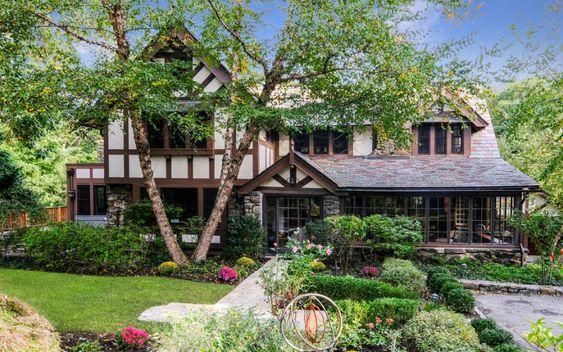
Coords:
331,205
253,205
119,196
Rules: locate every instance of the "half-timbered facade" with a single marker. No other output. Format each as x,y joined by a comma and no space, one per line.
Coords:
452,178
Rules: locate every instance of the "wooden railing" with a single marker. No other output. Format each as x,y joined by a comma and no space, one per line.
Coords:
22,220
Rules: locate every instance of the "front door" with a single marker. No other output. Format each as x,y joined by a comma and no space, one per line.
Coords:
286,216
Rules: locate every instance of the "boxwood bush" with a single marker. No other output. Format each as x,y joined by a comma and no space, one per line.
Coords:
495,336
348,287
460,300
81,248
436,282
400,310
245,237
403,273
480,324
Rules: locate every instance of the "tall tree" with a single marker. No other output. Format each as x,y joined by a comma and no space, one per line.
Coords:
331,63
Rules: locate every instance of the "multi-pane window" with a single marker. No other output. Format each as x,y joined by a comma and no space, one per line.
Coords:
504,208
375,205
209,195
301,143
482,220
457,139
155,131
83,199
285,215
424,139
440,139
438,220
185,198
459,220
177,138
100,200
416,208
339,143
320,142
354,205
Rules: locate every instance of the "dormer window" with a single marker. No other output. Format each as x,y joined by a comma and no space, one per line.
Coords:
301,143
457,139
424,139
321,142
440,139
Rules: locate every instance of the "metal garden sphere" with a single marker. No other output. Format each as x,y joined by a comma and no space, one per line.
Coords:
311,322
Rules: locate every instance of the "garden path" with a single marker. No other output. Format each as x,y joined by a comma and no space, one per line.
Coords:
247,295
516,312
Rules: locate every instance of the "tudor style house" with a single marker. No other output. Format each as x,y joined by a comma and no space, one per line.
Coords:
452,179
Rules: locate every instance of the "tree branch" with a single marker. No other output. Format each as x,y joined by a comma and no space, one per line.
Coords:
65,28
237,37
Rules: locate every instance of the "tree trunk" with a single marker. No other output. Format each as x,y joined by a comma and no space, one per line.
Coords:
232,159
142,144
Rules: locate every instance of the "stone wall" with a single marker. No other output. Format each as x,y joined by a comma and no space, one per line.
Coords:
331,205
510,287
508,256
119,196
253,204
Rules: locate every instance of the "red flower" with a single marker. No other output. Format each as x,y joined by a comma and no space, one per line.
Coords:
134,337
228,274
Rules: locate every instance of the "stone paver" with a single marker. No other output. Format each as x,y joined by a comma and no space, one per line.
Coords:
247,295
516,312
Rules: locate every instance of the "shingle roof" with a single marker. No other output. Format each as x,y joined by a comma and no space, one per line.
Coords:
419,172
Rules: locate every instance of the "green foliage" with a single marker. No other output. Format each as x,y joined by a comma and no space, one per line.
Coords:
481,324
440,331
437,280
399,309
80,248
87,346
433,271
317,266
508,347
544,231
348,287
394,236
460,300
543,337
346,231
15,196
495,336
448,286
527,119
167,268
245,237
318,231
141,213
245,262
403,273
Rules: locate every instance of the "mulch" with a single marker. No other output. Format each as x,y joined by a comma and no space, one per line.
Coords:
108,342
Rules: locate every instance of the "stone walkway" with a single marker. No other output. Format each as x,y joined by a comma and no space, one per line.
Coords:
516,312
248,294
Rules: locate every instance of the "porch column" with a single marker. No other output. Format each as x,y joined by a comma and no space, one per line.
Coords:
253,204
331,205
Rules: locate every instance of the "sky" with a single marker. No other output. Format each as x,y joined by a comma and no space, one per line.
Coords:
487,26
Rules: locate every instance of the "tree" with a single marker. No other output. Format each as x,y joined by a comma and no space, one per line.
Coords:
528,118
332,63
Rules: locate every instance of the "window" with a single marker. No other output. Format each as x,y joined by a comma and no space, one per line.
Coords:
424,139
156,133
440,137
459,220
301,143
375,205
83,199
482,222
339,143
272,136
504,208
354,205
209,195
438,220
457,139
100,201
416,208
177,137
203,118
185,198
320,142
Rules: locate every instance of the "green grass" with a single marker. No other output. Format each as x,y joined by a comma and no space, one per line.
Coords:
101,303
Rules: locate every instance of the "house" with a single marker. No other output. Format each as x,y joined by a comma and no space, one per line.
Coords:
452,179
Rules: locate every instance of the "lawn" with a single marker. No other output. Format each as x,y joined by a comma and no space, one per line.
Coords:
100,303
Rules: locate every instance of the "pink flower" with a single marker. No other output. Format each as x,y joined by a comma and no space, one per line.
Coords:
378,320
134,337
294,250
328,251
320,246
275,245
370,271
370,326
228,274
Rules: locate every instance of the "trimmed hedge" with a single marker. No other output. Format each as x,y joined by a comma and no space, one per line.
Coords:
460,300
349,287
495,337
400,272
455,296
482,324
399,309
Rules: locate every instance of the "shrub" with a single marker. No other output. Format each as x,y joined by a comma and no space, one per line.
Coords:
370,271
167,268
448,286
245,237
460,300
436,281
495,336
480,324
232,331
436,270
141,213
508,347
22,329
399,309
245,262
441,331
299,248
227,274
134,338
403,273
81,248
348,287
319,231
317,266
394,236
346,231
543,337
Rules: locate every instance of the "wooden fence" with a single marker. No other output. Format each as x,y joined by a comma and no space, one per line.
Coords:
22,220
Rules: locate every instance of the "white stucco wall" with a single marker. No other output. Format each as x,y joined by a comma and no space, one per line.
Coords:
158,164
201,167
116,165
97,173
283,145
362,142
130,137
179,167
82,173
115,135
245,171
134,167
